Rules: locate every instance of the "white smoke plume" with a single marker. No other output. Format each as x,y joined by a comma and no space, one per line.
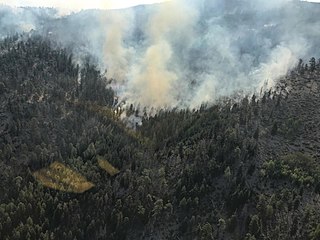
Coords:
198,51
183,53
281,60
116,55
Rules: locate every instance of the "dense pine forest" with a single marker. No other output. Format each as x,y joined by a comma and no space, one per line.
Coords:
240,169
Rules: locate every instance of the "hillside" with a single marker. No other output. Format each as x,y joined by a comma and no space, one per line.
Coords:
211,46
244,169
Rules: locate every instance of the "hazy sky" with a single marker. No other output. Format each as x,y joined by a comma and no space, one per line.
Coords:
85,4
79,4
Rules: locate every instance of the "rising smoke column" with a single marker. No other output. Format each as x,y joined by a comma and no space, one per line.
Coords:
198,51
184,52
152,80
116,55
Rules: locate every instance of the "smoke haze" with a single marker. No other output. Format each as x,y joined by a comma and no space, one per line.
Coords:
152,82
184,52
115,55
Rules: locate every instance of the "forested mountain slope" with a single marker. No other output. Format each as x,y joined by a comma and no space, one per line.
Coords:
244,169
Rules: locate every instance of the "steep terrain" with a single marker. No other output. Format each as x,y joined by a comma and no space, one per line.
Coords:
245,169
202,46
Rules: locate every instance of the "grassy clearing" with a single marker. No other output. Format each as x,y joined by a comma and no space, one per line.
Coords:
105,165
60,177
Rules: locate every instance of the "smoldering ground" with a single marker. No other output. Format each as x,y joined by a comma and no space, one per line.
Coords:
183,53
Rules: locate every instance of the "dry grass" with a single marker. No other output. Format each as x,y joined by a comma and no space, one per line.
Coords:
60,177
105,165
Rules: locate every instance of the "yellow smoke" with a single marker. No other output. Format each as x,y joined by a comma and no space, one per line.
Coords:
153,81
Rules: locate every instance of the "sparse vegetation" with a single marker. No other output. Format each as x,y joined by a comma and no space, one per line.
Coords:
60,177
105,165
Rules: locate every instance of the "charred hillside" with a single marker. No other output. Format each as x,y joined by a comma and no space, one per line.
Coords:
244,169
